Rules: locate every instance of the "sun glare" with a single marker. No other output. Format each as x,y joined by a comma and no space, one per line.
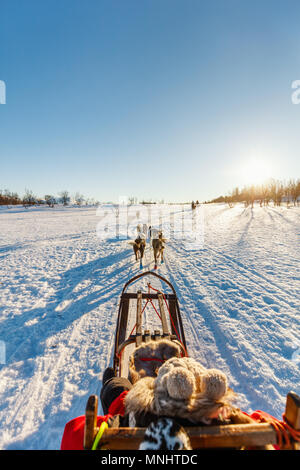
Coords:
255,172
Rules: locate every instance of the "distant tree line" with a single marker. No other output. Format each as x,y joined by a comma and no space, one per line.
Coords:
9,198
272,191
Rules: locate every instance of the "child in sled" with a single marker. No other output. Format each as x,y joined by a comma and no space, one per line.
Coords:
165,393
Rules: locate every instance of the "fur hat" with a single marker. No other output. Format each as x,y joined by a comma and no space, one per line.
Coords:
183,388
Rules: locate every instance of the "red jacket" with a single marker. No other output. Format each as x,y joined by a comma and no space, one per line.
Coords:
74,430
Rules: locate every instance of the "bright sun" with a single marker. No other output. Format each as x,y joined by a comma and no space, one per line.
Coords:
254,172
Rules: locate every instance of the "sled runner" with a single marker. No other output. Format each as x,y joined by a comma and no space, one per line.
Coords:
265,431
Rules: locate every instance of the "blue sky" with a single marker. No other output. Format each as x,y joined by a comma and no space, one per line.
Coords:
165,99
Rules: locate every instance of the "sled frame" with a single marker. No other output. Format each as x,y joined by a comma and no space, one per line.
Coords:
176,334
235,436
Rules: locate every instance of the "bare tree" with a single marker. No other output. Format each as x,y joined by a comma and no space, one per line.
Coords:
294,190
271,190
50,200
265,194
279,192
64,197
29,199
7,197
79,199
132,200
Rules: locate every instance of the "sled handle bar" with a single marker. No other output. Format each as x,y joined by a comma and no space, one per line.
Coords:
135,278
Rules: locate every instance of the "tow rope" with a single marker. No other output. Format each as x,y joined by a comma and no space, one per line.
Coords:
282,428
145,359
171,319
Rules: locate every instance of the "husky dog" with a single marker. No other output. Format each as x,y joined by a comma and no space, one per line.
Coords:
142,230
139,246
158,248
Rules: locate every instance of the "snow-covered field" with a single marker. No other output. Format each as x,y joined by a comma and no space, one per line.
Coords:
59,291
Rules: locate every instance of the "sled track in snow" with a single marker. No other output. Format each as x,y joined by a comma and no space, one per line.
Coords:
254,278
253,274
59,359
220,337
209,322
248,271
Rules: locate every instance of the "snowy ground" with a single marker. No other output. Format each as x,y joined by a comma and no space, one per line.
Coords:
59,292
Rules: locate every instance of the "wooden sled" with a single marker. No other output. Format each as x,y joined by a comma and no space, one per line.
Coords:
237,436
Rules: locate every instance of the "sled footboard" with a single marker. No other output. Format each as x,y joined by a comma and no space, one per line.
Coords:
204,437
249,435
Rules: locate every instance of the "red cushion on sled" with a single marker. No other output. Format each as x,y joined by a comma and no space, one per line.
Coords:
74,430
